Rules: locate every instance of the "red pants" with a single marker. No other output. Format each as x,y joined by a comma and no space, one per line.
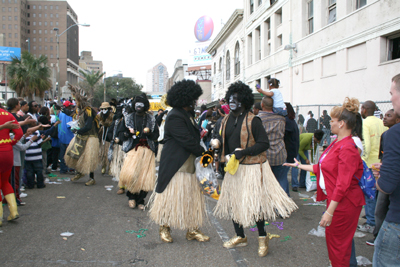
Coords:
7,162
340,233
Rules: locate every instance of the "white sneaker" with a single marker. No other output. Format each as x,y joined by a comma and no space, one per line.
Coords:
23,195
49,167
46,180
22,189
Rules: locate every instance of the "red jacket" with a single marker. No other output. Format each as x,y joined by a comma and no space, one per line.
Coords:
5,141
340,168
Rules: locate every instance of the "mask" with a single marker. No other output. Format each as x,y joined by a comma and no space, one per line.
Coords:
124,112
139,106
234,104
104,111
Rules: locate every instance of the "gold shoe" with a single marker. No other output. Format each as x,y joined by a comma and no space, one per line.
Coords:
165,234
103,170
198,235
120,191
236,241
263,245
12,205
90,182
141,207
77,176
132,204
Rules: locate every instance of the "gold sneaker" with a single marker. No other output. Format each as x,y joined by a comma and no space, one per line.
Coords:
132,203
165,234
236,241
263,245
198,235
77,176
120,191
90,182
103,170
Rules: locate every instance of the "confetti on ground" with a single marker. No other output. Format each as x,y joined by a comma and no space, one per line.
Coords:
67,234
140,232
65,238
286,238
314,204
253,229
60,197
82,249
279,225
51,175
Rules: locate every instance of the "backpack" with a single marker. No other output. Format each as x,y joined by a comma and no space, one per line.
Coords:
367,182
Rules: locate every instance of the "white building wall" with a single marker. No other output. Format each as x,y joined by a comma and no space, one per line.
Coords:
345,58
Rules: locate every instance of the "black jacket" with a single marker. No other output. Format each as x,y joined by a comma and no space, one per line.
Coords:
182,138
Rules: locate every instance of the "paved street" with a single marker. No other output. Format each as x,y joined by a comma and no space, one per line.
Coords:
100,220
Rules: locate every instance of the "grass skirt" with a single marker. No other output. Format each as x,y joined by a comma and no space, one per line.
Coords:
88,161
245,200
160,147
117,161
103,153
139,170
181,205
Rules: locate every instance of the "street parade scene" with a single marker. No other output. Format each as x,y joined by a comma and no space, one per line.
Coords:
269,138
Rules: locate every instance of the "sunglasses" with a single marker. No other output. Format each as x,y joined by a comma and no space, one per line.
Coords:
35,106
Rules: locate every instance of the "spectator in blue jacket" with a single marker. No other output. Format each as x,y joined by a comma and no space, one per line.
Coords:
65,135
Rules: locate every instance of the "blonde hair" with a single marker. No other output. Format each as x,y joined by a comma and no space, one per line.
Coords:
347,112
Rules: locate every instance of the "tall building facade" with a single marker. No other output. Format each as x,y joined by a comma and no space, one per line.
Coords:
157,79
321,51
31,25
86,62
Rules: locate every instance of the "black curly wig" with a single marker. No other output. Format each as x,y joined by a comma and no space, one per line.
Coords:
183,93
141,99
245,94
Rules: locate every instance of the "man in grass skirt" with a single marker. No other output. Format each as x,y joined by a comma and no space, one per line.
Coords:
251,194
82,154
138,173
177,201
105,118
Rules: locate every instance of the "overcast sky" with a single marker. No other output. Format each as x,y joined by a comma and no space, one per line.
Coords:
132,36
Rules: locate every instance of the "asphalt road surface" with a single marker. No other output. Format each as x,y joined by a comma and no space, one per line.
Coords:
102,225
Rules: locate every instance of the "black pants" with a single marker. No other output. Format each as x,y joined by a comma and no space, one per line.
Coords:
138,197
54,156
260,225
32,168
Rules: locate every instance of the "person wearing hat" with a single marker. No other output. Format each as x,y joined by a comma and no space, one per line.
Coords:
105,118
138,173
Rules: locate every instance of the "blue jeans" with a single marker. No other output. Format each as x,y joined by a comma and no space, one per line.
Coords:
32,168
295,174
303,174
63,166
369,207
387,249
353,259
327,136
280,173
280,111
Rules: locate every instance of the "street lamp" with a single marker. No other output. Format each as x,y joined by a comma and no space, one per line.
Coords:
117,90
58,49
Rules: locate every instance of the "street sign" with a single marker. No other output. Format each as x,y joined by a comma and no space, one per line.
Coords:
6,53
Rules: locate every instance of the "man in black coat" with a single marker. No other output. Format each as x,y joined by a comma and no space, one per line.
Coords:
176,178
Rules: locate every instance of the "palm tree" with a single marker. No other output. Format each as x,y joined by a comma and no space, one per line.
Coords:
29,75
91,79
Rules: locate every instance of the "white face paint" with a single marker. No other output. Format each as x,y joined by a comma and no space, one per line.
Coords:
104,111
233,102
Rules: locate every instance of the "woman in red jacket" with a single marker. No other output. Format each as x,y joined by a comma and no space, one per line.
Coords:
7,124
336,172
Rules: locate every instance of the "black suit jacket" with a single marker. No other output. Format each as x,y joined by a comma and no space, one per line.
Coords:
182,138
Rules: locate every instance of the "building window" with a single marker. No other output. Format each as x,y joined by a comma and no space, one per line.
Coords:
310,17
3,9
9,9
34,7
259,2
267,47
45,31
215,67
34,23
251,6
250,48
4,26
29,6
237,59
10,44
332,11
40,7
16,26
51,7
10,35
394,48
51,55
34,47
45,23
45,7
16,35
51,48
9,26
51,23
56,15
16,44
16,18
51,15
279,41
40,23
56,7
40,31
34,39
51,39
34,31
40,39
279,19
40,15
258,48
40,47
228,66
9,18
28,15
34,15
360,3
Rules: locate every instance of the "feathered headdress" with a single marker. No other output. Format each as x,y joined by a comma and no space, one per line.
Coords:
80,96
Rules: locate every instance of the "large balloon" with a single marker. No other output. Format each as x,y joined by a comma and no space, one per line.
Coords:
203,28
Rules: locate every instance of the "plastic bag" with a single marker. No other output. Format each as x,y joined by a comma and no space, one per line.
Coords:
311,182
73,125
363,261
367,182
320,232
207,179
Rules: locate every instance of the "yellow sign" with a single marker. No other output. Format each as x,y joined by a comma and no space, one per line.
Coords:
155,106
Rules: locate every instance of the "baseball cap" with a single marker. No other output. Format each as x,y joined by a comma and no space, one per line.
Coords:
67,104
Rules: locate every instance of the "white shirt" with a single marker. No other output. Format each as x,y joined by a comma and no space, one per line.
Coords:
278,99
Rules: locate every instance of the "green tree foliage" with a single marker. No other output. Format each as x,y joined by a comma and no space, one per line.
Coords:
127,87
91,80
29,75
